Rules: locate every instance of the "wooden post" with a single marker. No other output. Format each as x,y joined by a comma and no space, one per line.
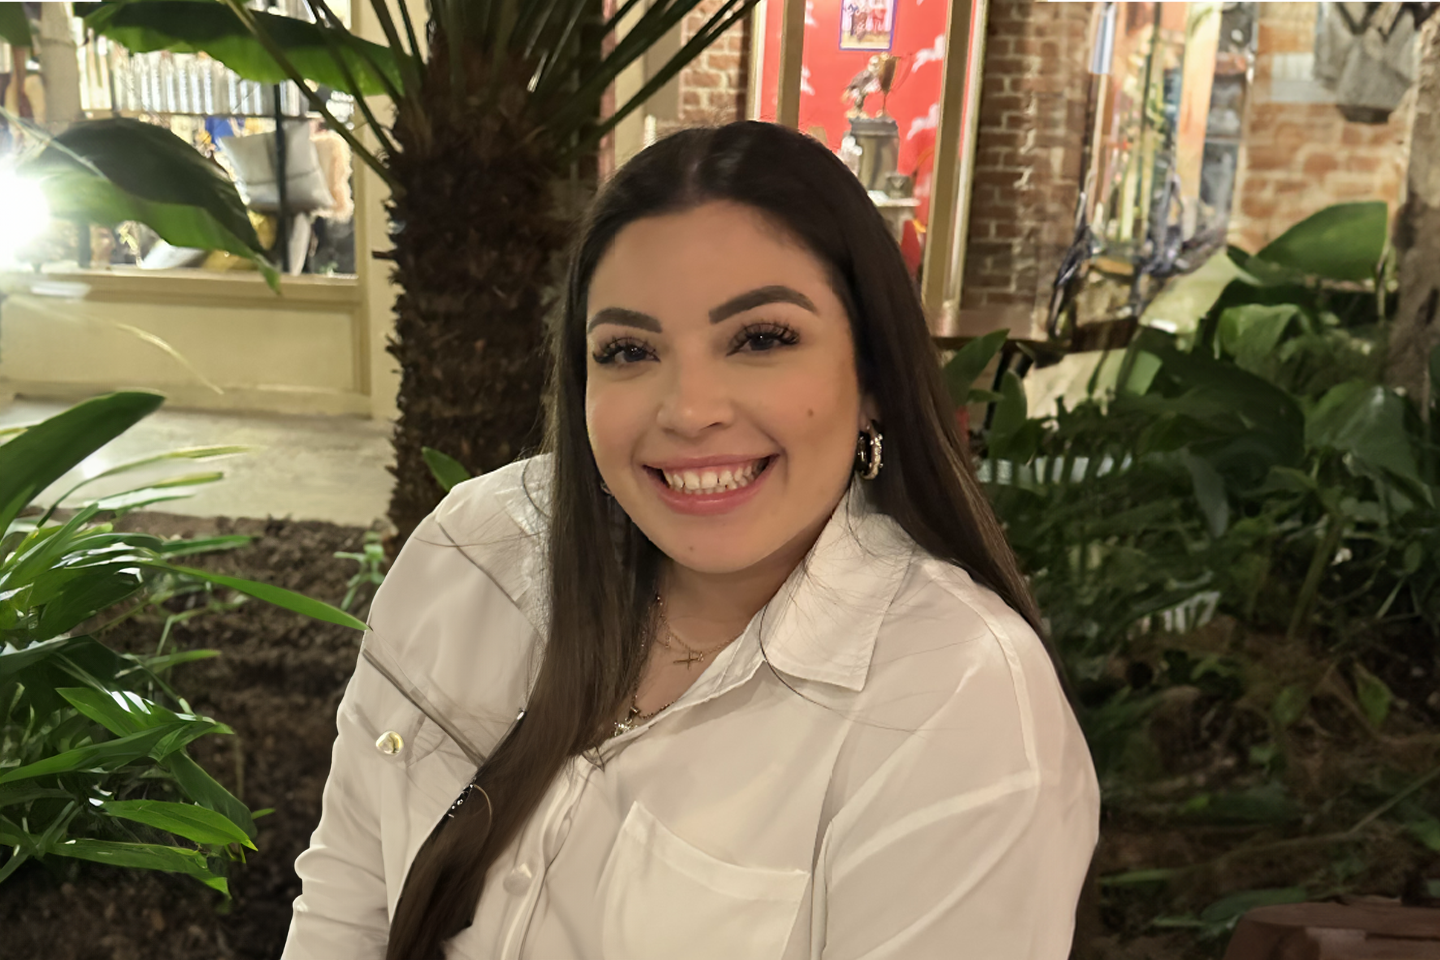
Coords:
1333,931
792,47
951,171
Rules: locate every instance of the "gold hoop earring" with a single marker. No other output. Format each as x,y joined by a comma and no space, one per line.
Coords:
869,454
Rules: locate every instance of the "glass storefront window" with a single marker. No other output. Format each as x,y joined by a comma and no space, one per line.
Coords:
309,226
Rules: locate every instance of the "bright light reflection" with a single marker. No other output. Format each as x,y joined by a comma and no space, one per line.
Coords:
24,214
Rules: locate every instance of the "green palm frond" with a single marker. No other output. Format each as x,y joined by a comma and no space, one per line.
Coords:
568,52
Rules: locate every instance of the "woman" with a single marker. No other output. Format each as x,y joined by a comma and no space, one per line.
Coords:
744,674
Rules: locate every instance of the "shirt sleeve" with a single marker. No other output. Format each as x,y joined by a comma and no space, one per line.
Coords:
341,911
974,837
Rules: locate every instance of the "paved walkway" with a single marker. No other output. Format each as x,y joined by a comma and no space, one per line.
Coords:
303,468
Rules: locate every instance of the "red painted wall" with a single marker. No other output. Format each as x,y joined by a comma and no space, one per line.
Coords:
919,42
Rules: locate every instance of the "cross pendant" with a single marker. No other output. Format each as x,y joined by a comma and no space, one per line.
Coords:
690,657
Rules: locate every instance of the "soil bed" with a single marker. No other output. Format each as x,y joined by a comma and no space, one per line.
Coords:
277,682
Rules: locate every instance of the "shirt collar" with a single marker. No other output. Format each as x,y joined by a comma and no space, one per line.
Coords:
821,625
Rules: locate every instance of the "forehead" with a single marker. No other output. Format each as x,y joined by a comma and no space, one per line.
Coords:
698,258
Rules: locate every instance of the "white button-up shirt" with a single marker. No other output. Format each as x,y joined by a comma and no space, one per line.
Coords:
882,765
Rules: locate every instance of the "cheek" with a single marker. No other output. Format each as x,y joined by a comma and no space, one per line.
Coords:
613,419
817,411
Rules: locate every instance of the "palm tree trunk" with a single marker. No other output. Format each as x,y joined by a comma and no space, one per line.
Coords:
477,235
1416,331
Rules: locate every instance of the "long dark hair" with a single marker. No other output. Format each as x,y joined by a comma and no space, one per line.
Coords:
603,569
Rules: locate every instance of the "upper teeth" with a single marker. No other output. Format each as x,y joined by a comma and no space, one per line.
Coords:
712,480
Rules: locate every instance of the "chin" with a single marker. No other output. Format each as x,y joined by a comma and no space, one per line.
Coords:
716,556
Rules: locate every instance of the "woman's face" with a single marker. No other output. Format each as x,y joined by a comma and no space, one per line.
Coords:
721,399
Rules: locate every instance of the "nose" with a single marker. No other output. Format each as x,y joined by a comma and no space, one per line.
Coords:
695,397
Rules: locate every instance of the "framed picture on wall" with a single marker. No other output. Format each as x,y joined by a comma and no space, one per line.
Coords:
867,24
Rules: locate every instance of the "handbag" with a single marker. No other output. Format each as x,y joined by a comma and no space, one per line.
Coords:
253,159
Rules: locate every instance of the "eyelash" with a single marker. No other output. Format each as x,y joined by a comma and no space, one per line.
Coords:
780,335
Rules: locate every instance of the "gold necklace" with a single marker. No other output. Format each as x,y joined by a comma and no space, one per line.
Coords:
691,654
633,717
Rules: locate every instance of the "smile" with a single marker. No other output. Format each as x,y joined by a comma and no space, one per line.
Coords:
711,489
715,479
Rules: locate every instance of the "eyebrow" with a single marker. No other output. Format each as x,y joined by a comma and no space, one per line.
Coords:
625,318
759,297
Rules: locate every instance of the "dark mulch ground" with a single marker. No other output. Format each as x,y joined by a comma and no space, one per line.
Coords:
277,683
280,678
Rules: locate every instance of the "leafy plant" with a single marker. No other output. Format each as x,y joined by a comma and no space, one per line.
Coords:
89,172
93,761
371,559
1229,542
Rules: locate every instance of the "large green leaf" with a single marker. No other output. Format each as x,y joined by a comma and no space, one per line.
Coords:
446,470
187,26
279,596
207,791
97,757
1251,332
14,25
1343,242
1252,424
122,712
90,172
182,819
146,856
40,455
15,661
86,595
1367,422
969,362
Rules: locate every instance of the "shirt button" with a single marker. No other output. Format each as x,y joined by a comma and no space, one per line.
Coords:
390,743
519,880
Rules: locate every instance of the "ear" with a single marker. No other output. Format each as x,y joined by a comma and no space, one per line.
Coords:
869,411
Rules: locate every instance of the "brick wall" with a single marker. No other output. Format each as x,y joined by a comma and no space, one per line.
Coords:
1298,157
712,88
1027,160
1028,150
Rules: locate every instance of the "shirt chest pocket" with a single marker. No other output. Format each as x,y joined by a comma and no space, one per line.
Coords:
663,898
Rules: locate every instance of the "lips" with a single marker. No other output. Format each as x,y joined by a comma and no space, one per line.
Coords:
710,486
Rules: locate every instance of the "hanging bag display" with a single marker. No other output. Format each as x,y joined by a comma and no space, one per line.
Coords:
253,159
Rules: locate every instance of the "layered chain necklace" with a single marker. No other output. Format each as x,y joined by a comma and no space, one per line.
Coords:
664,634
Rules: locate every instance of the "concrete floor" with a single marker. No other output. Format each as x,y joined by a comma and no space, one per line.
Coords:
302,468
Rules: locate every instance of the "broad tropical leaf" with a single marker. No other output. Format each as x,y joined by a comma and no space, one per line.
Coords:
969,362
1366,421
1341,242
89,172
190,26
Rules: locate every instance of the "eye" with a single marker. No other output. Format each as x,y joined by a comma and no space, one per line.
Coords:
622,351
764,338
